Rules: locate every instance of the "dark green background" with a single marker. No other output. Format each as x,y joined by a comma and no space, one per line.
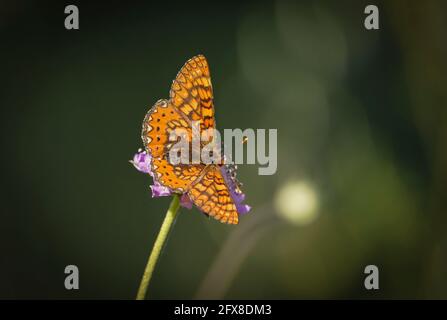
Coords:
361,117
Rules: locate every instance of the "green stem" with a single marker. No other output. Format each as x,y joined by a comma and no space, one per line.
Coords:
158,245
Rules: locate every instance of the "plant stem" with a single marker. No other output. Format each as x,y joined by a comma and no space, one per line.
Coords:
158,245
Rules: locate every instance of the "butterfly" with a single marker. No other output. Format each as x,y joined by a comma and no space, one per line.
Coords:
213,188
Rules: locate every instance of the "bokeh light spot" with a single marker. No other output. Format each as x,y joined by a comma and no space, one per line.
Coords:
297,202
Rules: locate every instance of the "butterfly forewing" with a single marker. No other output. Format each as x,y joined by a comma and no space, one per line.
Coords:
192,92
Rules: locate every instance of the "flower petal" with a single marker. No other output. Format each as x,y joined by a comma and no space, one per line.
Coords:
185,201
243,208
229,175
159,191
142,162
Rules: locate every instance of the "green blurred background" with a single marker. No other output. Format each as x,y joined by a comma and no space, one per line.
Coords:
361,119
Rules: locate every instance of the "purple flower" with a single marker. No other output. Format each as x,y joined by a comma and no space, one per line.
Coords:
142,162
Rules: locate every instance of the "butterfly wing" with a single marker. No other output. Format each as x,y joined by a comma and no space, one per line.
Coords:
177,178
160,122
211,195
192,92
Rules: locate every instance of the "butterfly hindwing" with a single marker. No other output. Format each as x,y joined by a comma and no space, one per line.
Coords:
177,178
212,196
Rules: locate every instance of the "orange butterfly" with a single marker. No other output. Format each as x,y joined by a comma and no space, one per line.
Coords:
213,188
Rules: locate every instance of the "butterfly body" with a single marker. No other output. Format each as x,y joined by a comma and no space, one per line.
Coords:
213,187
